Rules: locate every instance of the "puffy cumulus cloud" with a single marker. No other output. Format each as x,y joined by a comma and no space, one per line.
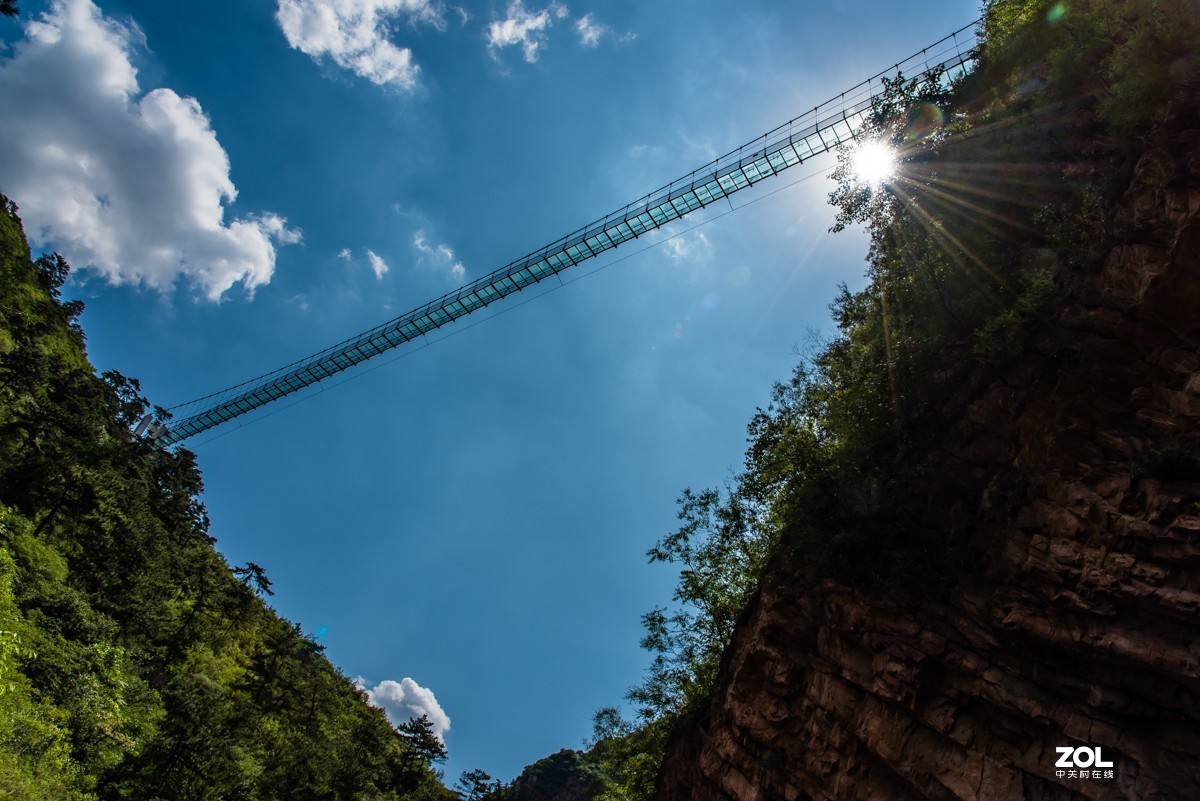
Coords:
129,184
406,700
378,265
523,28
355,34
440,257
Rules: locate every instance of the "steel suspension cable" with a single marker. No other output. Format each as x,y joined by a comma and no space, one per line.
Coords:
824,128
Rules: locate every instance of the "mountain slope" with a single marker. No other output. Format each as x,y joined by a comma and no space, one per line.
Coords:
134,663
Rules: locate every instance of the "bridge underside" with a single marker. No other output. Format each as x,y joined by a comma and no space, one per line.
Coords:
824,128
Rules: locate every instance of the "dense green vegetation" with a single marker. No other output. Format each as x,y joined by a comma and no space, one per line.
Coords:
134,663
566,775
1005,197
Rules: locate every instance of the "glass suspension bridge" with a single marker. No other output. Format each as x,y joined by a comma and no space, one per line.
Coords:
835,122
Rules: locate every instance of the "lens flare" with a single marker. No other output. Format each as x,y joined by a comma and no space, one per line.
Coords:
924,120
874,163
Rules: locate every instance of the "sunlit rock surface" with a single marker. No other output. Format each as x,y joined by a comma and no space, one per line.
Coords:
1080,626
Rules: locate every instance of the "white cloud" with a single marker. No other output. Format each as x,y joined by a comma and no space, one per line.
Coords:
131,185
589,30
378,265
683,247
406,700
690,253
356,34
523,29
440,257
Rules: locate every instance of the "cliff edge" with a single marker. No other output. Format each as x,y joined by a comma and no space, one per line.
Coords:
1072,479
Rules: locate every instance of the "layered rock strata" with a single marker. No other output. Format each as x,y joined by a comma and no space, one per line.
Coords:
1074,476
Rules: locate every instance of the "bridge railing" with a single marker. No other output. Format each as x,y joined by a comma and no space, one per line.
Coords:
828,125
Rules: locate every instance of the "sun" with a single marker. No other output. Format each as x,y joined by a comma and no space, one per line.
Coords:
874,162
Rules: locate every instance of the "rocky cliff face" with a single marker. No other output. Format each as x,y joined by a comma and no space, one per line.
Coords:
1075,475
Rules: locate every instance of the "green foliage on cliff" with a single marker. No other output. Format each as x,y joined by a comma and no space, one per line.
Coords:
995,212
134,663
563,776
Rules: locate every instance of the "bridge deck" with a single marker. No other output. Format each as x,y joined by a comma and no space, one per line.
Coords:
818,131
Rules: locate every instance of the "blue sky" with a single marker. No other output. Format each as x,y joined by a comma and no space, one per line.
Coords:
241,184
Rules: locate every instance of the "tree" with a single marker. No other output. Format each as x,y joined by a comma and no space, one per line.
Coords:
255,578
625,755
477,785
134,663
418,734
